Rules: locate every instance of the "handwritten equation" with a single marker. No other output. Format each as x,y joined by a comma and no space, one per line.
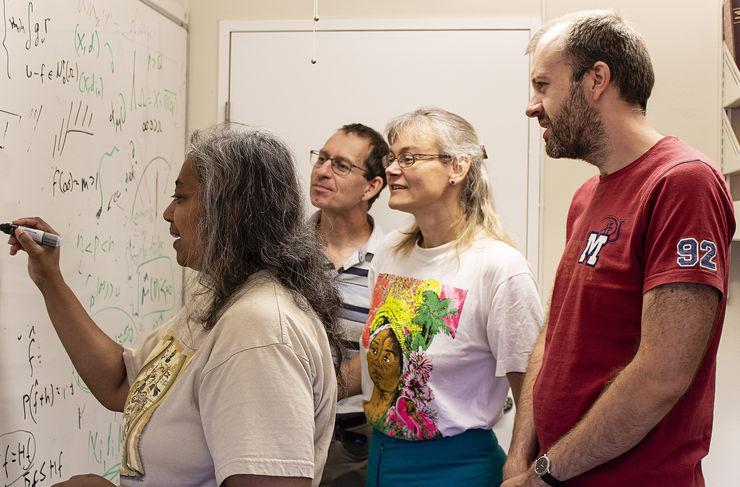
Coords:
92,135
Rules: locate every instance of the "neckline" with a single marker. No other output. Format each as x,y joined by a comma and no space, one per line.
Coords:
636,163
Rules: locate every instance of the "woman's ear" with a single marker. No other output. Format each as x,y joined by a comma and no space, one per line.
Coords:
459,168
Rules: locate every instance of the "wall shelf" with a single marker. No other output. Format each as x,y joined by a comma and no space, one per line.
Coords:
730,147
730,80
731,111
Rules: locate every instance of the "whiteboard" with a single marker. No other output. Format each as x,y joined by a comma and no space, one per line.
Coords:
92,134
370,71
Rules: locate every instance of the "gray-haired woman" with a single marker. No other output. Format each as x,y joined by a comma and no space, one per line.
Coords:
208,396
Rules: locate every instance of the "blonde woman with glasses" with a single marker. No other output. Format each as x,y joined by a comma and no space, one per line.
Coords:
454,314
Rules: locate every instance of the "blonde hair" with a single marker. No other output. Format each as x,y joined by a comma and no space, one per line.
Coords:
454,136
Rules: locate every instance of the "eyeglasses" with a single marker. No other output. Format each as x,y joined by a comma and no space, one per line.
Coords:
408,159
339,165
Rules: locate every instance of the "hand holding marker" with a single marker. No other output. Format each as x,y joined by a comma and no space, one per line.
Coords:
38,236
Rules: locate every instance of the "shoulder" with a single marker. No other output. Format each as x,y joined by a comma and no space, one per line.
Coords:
387,243
260,298
392,238
497,260
265,329
690,173
672,159
264,313
671,151
692,182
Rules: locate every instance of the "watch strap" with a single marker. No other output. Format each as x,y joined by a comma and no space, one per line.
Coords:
542,464
550,480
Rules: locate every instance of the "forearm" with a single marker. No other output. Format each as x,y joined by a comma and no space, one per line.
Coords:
349,382
524,445
622,416
96,357
677,322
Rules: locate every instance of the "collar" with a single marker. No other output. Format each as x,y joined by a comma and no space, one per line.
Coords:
367,251
373,242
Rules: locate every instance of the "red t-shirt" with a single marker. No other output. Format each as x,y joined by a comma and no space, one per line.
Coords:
665,218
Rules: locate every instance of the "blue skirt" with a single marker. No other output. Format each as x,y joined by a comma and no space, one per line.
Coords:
473,459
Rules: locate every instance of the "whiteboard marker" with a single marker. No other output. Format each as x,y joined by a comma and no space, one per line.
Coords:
38,236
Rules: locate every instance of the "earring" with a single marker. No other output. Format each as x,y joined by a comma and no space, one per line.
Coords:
452,182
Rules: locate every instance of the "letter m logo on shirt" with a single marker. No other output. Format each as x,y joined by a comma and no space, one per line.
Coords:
590,254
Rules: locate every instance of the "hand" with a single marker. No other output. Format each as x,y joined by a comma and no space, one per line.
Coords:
43,260
515,465
526,479
87,480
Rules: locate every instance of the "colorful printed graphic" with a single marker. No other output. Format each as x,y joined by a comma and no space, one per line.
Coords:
405,316
154,381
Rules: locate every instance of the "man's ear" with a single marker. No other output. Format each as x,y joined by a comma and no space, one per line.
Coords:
599,79
372,188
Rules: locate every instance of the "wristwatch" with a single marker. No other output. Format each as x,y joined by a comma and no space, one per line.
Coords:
542,469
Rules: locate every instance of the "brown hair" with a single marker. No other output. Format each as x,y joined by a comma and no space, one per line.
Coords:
603,35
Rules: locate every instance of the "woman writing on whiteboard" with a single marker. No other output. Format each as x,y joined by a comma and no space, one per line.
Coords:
207,397
453,317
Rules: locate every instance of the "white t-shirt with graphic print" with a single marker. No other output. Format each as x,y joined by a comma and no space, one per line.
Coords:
254,395
442,333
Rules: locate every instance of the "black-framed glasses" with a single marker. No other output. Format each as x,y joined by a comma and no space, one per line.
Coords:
408,159
339,165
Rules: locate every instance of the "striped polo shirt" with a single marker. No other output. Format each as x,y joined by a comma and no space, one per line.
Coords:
352,278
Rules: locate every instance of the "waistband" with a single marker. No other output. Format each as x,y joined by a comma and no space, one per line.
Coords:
472,436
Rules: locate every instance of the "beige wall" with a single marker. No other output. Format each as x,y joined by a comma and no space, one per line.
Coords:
684,103
683,38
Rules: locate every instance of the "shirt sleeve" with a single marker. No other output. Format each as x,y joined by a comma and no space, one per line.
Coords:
258,414
515,320
690,225
135,358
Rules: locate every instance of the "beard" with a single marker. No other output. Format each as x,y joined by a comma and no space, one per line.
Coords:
576,132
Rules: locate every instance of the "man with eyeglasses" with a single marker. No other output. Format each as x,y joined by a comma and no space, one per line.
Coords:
347,176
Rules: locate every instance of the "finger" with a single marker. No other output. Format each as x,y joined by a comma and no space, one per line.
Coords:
34,222
26,242
15,246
